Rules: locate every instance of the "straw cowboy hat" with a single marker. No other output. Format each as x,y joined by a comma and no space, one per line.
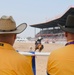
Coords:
69,27
8,25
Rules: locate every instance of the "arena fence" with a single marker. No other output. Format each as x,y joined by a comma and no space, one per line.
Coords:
33,54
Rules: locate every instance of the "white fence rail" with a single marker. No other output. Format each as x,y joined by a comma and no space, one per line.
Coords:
36,53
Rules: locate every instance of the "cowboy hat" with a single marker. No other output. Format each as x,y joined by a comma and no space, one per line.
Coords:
69,27
8,25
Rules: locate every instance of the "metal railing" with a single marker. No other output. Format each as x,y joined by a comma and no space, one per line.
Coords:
35,53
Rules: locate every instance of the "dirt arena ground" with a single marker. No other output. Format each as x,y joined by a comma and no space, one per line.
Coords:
41,61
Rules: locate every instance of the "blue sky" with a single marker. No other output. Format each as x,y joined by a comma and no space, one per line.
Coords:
33,11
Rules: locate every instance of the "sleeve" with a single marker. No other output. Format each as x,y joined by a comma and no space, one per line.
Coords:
25,66
48,74
29,70
51,64
32,62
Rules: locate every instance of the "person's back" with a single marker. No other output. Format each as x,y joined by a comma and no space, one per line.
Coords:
11,62
61,61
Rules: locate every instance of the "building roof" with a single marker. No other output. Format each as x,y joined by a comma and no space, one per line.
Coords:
55,22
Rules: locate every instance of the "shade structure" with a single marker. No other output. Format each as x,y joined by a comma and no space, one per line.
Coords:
55,22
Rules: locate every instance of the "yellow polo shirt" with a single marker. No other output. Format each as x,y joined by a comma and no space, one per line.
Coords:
13,63
61,61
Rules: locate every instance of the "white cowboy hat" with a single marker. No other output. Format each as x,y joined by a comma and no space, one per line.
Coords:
8,25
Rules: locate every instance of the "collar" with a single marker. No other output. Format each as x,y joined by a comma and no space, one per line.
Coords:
69,42
6,46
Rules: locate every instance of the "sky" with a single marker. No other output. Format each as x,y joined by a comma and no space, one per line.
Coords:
34,12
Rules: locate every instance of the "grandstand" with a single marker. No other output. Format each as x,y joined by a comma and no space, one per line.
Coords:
50,32
53,23
51,35
50,29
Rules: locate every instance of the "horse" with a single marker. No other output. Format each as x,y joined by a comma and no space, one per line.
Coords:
39,47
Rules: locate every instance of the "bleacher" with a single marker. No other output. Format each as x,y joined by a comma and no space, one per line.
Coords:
49,33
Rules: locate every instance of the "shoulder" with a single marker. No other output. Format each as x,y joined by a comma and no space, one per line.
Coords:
22,59
25,63
56,53
61,50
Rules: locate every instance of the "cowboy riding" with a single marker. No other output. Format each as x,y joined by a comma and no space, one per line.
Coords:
38,44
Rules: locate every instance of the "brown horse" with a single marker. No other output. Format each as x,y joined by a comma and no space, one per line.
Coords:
39,47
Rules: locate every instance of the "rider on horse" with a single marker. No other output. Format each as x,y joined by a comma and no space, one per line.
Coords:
38,44
38,41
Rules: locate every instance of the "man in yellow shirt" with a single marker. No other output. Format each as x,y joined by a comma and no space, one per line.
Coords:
61,61
11,62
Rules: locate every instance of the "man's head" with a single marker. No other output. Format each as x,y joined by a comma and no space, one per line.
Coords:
8,29
8,38
69,27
